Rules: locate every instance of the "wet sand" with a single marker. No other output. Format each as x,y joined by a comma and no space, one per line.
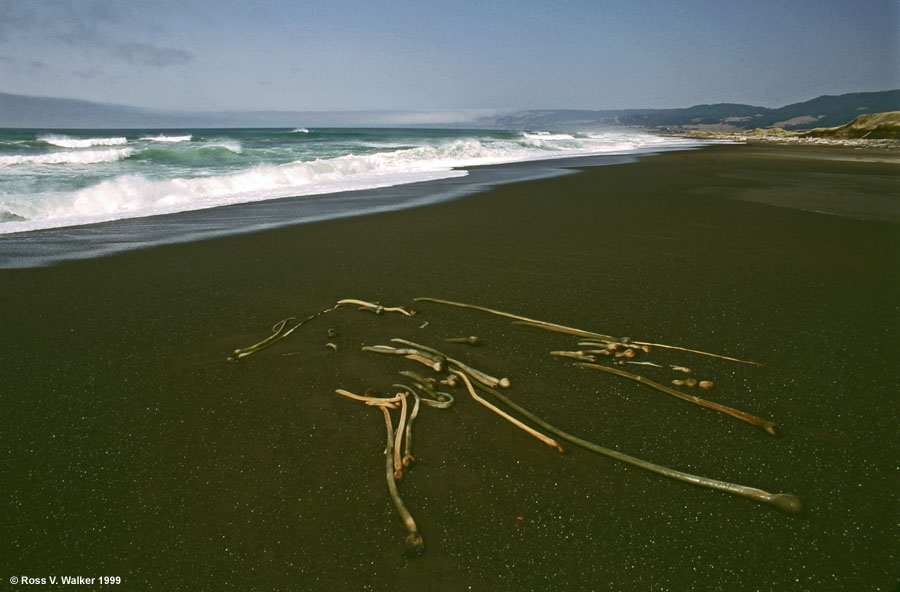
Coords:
132,449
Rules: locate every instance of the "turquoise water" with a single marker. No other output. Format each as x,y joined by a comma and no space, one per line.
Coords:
53,178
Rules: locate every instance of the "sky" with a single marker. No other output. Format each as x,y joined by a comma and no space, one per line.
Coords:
329,55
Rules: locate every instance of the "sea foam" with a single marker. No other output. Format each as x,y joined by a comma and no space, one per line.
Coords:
167,139
76,157
68,142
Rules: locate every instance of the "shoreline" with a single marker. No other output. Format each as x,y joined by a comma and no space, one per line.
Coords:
134,450
209,184
44,247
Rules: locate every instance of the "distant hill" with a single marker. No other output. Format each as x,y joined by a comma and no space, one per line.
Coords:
825,111
834,110
47,112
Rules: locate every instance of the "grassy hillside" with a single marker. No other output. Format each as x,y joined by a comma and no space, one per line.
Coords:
872,126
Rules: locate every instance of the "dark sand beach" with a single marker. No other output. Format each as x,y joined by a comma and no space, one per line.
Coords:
131,448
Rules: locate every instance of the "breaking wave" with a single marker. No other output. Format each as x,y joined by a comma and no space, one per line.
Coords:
78,157
233,147
69,142
168,139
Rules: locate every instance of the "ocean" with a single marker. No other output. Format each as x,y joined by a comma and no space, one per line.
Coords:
86,179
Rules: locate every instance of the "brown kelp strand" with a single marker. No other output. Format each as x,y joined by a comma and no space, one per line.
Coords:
279,331
543,324
478,375
470,340
782,501
767,426
408,458
398,439
390,402
375,307
436,399
414,543
575,355
546,440
702,353
547,326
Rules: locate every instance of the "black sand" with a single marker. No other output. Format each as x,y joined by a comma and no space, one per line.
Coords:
130,448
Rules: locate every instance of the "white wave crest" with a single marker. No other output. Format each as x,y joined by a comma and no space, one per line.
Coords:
547,136
79,157
170,139
551,141
300,130
68,142
230,145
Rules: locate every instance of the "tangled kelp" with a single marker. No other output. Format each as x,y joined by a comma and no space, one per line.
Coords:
414,390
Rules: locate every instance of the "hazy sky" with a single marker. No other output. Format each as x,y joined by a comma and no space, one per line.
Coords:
451,54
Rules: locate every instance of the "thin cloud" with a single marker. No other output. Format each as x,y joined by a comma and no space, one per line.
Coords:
10,19
27,67
146,54
90,73
59,19
90,25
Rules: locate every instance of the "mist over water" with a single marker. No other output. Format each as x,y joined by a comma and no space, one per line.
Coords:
53,179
